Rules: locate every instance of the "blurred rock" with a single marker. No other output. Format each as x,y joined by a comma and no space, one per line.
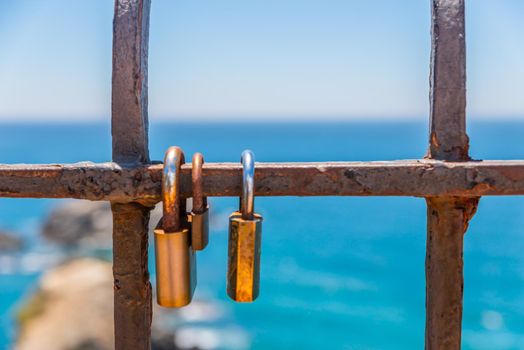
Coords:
80,223
72,309
84,223
10,242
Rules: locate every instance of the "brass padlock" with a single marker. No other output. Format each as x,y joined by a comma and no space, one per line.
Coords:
199,216
175,258
245,238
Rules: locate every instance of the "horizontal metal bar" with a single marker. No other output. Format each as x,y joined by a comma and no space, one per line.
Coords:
142,183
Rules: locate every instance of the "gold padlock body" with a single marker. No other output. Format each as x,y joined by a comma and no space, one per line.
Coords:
175,268
199,229
243,268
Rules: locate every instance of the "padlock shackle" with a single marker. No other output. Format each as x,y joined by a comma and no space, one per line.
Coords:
172,205
199,201
247,199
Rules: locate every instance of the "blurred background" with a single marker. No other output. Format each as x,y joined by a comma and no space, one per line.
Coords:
294,80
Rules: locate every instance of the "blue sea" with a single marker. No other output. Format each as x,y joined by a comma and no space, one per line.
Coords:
336,273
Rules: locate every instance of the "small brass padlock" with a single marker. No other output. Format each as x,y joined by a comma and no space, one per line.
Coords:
245,238
175,258
199,216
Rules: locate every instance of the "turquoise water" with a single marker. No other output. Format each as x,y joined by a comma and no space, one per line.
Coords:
337,273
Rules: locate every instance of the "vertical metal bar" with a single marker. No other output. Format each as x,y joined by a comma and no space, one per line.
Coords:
448,217
129,84
448,138
132,289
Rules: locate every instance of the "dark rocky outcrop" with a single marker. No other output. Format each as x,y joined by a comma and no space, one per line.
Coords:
83,224
10,242
79,223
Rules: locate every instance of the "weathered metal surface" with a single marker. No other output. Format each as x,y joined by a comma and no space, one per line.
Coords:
245,239
175,258
448,220
129,83
132,296
175,267
243,265
199,215
199,229
448,139
448,217
420,178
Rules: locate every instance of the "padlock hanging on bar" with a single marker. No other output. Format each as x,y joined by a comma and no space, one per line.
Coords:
245,238
199,216
175,258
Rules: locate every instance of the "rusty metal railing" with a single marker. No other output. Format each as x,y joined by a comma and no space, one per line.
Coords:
451,183
142,182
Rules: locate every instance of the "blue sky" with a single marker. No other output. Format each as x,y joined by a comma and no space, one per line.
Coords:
291,59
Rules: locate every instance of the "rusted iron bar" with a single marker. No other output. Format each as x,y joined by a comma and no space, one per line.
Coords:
129,122
448,138
448,217
142,183
132,298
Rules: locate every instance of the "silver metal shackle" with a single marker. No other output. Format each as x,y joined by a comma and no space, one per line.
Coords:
172,205
247,199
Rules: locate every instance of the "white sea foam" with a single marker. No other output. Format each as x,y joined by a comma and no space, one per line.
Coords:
201,311
7,265
38,261
289,270
391,314
28,263
492,320
210,339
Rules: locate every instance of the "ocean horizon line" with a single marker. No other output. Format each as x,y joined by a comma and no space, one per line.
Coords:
249,119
